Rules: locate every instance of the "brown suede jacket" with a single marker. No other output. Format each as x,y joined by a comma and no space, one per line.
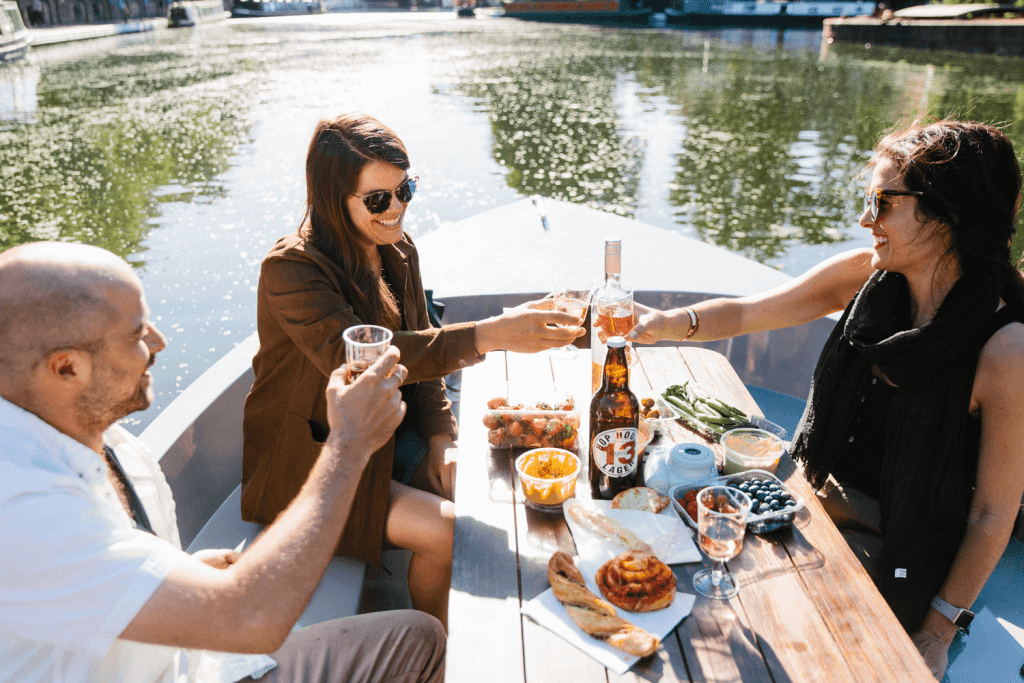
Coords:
302,311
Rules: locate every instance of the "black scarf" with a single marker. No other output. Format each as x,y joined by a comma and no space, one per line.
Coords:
928,475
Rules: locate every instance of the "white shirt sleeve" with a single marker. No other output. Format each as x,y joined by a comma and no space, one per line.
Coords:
70,574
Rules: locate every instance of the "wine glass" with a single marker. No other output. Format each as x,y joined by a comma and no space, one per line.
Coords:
571,295
721,522
364,344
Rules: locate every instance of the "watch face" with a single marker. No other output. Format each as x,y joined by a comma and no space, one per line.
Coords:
964,619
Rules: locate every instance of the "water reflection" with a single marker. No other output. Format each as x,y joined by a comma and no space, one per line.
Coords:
182,150
103,137
556,131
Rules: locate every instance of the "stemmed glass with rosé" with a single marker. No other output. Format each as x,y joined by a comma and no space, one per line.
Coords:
721,523
571,295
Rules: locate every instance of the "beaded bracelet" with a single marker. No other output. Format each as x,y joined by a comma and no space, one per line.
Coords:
694,322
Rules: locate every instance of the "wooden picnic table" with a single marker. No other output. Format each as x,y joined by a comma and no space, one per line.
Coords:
806,611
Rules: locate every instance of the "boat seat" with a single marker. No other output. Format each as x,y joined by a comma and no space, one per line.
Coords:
340,589
994,651
782,409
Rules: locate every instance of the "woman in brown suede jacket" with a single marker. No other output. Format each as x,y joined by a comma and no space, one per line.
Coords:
349,263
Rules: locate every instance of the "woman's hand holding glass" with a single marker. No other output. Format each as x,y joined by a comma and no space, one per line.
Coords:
655,326
571,295
531,327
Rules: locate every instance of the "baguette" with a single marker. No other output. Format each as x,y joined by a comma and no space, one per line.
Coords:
592,614
607,528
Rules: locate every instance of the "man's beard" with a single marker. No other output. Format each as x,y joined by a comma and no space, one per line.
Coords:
95,412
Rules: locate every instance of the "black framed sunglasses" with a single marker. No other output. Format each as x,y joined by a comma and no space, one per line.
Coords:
380,201
871,198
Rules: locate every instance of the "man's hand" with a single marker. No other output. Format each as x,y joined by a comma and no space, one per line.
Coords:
368,411
934,648
218,559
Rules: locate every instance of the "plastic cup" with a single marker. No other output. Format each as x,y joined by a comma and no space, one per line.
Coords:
364,344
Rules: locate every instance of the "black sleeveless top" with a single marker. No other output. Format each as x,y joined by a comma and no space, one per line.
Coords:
860,463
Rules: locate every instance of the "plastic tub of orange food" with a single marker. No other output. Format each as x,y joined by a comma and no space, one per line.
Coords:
548,477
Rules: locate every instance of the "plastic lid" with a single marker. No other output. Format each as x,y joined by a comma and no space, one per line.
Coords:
616,342
694,458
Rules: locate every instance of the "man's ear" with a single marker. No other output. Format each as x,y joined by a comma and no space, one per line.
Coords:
69,366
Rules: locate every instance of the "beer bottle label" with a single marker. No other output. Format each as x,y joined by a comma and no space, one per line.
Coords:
615,451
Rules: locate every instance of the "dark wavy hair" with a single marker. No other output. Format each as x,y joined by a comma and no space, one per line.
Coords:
971,182
341,147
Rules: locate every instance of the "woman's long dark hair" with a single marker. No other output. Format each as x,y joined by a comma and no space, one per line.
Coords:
341,147
971,182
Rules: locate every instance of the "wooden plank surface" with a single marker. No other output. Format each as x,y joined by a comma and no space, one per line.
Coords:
806,611
485,639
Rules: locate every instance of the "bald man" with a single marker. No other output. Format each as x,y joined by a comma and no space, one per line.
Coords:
94,585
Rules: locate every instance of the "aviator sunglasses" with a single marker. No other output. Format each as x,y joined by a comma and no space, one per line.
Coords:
379,201
871,198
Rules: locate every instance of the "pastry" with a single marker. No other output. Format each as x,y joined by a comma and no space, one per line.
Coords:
637,581
606,527
592,614
640,498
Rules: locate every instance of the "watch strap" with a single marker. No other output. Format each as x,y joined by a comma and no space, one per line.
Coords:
960,617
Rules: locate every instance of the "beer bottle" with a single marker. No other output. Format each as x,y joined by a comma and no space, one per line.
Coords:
614,420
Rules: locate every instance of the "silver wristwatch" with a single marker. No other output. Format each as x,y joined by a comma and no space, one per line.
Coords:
961,618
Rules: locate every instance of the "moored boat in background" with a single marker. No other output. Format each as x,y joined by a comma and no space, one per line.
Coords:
580,11
761,13
15,38
195,12
273,8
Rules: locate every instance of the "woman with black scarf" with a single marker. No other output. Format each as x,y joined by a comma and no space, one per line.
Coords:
914,428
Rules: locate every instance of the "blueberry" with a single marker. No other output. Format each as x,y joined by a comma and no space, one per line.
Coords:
761,495
790,503
776,505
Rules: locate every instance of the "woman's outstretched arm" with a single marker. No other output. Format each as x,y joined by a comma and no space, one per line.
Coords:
825,289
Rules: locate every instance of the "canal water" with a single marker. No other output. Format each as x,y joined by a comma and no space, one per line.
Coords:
182,150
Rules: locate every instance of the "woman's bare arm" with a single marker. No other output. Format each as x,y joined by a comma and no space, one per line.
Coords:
825,289
998,386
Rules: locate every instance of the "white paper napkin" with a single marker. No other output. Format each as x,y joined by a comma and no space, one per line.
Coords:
547,611
669,537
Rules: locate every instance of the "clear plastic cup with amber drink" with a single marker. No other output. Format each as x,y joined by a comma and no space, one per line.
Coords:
364,344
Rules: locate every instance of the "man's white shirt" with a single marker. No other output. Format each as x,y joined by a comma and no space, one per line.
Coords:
74,569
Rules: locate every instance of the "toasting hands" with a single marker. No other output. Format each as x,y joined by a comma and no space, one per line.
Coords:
528,328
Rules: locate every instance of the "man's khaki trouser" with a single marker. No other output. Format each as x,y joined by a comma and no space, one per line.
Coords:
400,646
